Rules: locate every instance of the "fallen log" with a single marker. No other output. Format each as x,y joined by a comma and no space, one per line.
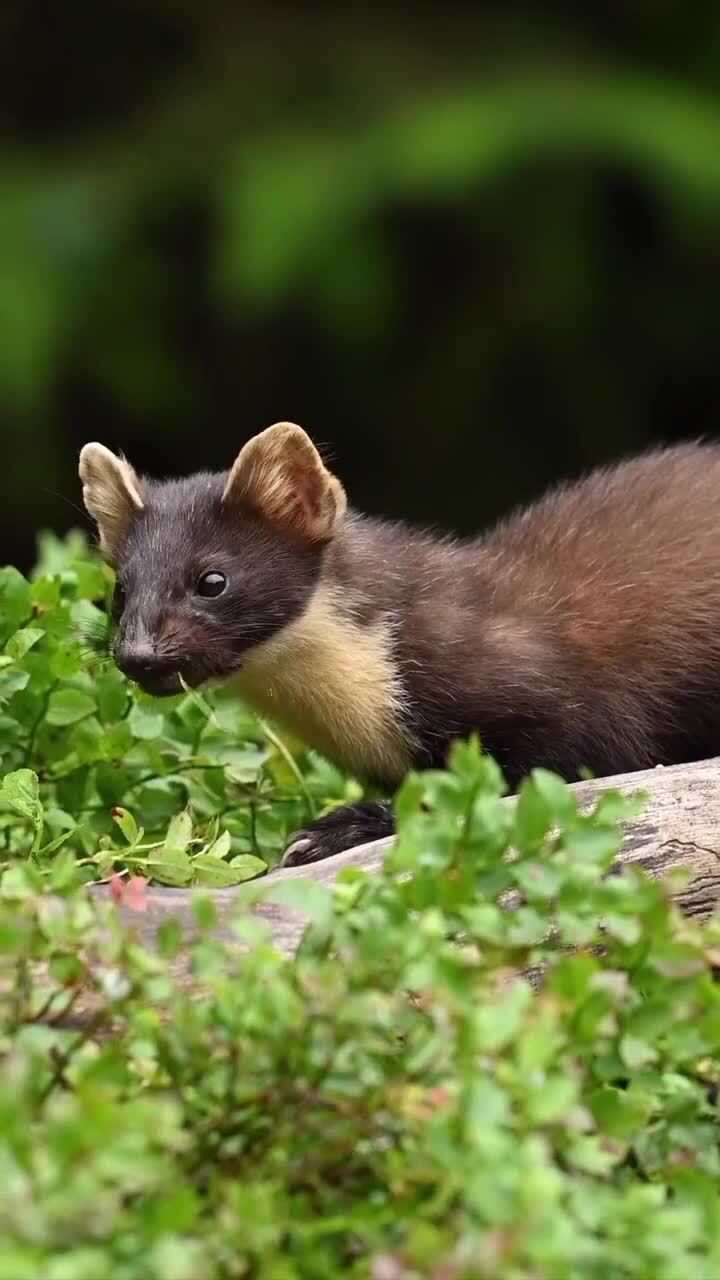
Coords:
679,827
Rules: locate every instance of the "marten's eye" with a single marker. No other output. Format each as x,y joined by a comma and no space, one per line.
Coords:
211,584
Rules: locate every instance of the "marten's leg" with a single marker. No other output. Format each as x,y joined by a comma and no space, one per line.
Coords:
352,825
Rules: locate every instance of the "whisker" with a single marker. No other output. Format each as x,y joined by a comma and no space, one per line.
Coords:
53,493
95,636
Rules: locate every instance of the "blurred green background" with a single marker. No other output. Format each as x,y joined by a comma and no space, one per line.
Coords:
469,250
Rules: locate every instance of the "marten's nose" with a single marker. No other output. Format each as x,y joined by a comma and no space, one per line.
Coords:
140,662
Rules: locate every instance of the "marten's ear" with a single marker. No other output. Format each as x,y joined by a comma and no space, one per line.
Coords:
111,493
280,476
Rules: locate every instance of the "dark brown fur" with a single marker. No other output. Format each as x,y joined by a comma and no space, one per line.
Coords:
582,633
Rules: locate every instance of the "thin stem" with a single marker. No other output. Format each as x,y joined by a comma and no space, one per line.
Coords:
63,1060
37,722
292,764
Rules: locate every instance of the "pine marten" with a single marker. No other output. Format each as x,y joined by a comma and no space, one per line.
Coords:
580,634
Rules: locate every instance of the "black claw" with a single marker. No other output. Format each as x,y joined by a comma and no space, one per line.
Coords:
345,828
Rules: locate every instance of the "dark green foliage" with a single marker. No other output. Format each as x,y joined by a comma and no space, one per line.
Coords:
396,1102
470,250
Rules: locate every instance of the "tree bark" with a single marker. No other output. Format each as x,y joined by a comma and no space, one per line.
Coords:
679,827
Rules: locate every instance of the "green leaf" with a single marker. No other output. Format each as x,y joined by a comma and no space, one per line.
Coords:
308,896
533,817
89,621
170,866
112,697
179,832
112,782
64,869
145,723
636,1052
66,661
248,865
15,601
13,681
19,644
116,741
170,937
210,870
486,1105
621,1112
596,845
204,912
556,795
627,929
126,823
58,842
45,592
21,790
92,579
20,881
493,1028
69,706
552,1101
220,848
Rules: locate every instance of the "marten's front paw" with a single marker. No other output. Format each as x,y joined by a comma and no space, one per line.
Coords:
343,829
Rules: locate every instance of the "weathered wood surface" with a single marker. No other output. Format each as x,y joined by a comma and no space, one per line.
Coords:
679,827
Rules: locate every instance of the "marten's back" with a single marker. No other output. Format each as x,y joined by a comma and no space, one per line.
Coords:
583,632
626,563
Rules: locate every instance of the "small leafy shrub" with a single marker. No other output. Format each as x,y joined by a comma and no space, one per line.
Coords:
396,1101
189,789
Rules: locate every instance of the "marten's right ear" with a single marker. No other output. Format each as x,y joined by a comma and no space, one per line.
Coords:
281,477
111,493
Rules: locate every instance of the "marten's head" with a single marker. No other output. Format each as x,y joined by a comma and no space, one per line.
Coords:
210,566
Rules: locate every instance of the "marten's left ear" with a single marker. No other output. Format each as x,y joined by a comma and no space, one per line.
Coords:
280,476
111,493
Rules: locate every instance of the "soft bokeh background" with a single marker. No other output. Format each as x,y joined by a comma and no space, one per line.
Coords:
470,251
